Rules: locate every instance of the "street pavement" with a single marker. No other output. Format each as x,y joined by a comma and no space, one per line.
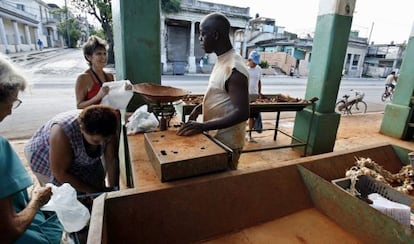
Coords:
52,75
56,67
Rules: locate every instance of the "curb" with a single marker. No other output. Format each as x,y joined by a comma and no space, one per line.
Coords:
30,57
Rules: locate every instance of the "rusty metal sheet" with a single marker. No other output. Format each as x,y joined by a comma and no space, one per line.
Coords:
175,157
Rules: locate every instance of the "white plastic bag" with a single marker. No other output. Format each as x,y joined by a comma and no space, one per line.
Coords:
72,214
118,96
141,121
398,211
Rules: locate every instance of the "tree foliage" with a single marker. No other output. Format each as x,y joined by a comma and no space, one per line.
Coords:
70,30
170,6
102,11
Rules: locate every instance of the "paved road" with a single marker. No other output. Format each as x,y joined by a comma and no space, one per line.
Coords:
52,77
41,102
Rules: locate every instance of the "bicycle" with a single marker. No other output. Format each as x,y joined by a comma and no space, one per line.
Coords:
387,94
353,105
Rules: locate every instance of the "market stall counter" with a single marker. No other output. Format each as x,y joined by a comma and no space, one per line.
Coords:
269,103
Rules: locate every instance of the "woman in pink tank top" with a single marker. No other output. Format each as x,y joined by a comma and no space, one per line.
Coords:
89,90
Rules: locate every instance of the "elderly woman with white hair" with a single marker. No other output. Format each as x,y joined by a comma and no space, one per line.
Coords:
22,221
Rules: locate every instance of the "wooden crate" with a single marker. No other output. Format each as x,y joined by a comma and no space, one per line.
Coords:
176,157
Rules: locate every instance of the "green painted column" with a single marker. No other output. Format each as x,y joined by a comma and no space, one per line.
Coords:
328,54
397,113
136,25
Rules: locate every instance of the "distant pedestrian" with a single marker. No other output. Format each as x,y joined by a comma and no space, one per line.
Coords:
292,71
40,44
255,91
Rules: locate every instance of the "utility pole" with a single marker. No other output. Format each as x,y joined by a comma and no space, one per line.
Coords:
246,28
67,24
370,33
87,25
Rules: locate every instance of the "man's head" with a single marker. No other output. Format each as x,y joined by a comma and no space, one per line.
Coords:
254,58
214,33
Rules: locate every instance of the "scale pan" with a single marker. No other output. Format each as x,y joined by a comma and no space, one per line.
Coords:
156,94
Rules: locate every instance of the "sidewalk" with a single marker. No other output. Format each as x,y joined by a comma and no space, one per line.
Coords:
29,57
19,54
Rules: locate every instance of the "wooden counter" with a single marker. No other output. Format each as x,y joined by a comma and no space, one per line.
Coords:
185,109
293,202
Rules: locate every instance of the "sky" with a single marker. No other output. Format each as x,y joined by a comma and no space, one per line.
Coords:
385,20
388,20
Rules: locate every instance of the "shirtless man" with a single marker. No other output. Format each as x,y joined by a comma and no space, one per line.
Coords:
226,101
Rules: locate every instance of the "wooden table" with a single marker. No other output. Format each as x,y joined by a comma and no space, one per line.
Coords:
185,109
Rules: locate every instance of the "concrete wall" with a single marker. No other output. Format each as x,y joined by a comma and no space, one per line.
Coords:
279,60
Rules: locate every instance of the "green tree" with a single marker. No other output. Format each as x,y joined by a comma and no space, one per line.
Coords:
70,30
170,6
100,33
101,10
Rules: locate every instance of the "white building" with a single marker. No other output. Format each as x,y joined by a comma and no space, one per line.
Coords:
23,22
180,48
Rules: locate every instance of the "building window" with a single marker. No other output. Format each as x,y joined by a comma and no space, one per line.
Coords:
20,6
348,59
355,61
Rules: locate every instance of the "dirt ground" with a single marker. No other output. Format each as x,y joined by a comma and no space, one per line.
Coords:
354,131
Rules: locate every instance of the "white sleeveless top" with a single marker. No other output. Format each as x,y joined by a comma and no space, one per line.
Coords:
217,102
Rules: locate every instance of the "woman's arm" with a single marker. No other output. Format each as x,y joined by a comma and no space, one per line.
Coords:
61,160
83,84
14,224
111,156
110,76
260,88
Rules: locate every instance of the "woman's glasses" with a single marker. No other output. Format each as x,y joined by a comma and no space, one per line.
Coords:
16,103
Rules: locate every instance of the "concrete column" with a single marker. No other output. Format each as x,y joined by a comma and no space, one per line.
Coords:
163,44
192,68
394,64
27,35
328,53
56,34
16,33
36,34
398,113
3,33
137,38
351,62
52,39
39,30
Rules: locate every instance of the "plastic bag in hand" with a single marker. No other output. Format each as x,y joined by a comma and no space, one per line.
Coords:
72,214
141,121
118,96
